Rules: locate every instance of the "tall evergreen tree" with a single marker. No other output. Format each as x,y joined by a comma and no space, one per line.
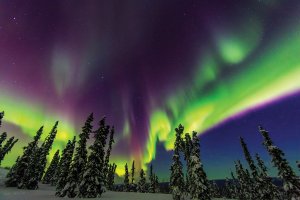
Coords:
151,179
79,161
199,186
141,187
245,186
51,169
31,175
176,178
45,149
187,156
64,156
111,176
126,179
132,184
291,184
65,168
23,162
257,186
7,147
270,188
132,172
108,151
92,183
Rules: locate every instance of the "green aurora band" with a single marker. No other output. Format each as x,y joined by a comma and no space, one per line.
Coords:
271,75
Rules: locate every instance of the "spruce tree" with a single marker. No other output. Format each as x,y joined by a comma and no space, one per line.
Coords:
176,178
141,186
79,161
187,155
31,174
151,179
54,179
132,185
126,179
108,152
65,168
22,164
45,149
7,147
199,186
111,176
51,169
291,184
245,184
92,183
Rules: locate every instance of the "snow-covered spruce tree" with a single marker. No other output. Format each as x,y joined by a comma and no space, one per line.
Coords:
22,164
65,168
141,186
92,183
291,184
111,176
271,189
7,147
262,188
214,189
108,151
31,175
45,149
177,178
151,188
126,179
79,161
54,179
132,184
245,184
51,169
187,155
199,186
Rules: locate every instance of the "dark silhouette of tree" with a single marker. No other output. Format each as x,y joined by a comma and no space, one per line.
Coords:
31,175
51,169
45,149
176,178
7,147
291,184
92,183
108,151
111,176
79,161
126,179
66,160
199,186
141,186
23,163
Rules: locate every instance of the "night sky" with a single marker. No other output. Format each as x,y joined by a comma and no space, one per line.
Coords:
220,68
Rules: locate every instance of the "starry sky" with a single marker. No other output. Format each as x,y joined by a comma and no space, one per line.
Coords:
220,68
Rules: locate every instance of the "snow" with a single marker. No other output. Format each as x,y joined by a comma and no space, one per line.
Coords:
46,192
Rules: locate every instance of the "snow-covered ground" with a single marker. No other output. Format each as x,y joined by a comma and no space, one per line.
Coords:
46,192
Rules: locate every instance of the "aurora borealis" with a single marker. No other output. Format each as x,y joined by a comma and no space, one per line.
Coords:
217,67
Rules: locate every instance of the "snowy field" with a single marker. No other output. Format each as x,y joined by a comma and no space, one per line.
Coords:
46,192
